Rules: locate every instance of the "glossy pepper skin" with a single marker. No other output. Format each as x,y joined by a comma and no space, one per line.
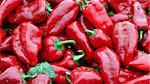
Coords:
140,80
11,76
83,21
95,12
60,74
26,2
60,17
119,18
75,31
98,38
6,44
2,35
121,6
141,62
34,12
6,7
85,75
125,39
145,42
53,48
27,41
127,75
139,16
109,63
145,3
70,60
7,61
40,79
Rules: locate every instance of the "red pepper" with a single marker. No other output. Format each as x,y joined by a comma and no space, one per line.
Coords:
54,2
127,75
125,38
121,6
75,31
145,3
96,13
2,35
83,21
140,80
6,7
85,75
70,59
119,18
11,76
27,41
141,62
98,38
53,48
61,16
104,2
60,75
6,44
34,12
109,63
40,79
139,16
7,61
145,42
26,2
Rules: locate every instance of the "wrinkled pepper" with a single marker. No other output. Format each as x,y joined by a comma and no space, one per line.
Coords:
6,7
70,59
85,75
96,13
34,12
98,38
40,79
60,17
2,35
119,17
145,42
27,41
6,44
109,64
125,39
60,74
139,16
75,31
11,76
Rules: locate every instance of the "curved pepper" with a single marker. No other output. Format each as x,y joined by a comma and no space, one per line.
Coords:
75,31
7,61
6,7
125,38
85,75
139,16
26,2
60,17
145,3
53,48
40,79
70,59
27,41
98,38
109,63
34,12
119,18
83,21
60,75
11,76
145,42
2,35
96,13
140,80
6,44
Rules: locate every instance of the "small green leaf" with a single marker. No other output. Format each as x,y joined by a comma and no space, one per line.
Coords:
43,68
48,8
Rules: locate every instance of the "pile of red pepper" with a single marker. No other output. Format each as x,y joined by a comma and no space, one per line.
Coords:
74,41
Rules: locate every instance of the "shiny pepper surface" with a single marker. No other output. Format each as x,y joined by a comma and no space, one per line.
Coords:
119,17
11,76
6,44
27,41
109,63
61,16
85,75
145,42
6,7
34,12
125,38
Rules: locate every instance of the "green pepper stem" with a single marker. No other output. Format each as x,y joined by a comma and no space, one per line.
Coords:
86,2
67,77
48,8
77,57
90,32
66,42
